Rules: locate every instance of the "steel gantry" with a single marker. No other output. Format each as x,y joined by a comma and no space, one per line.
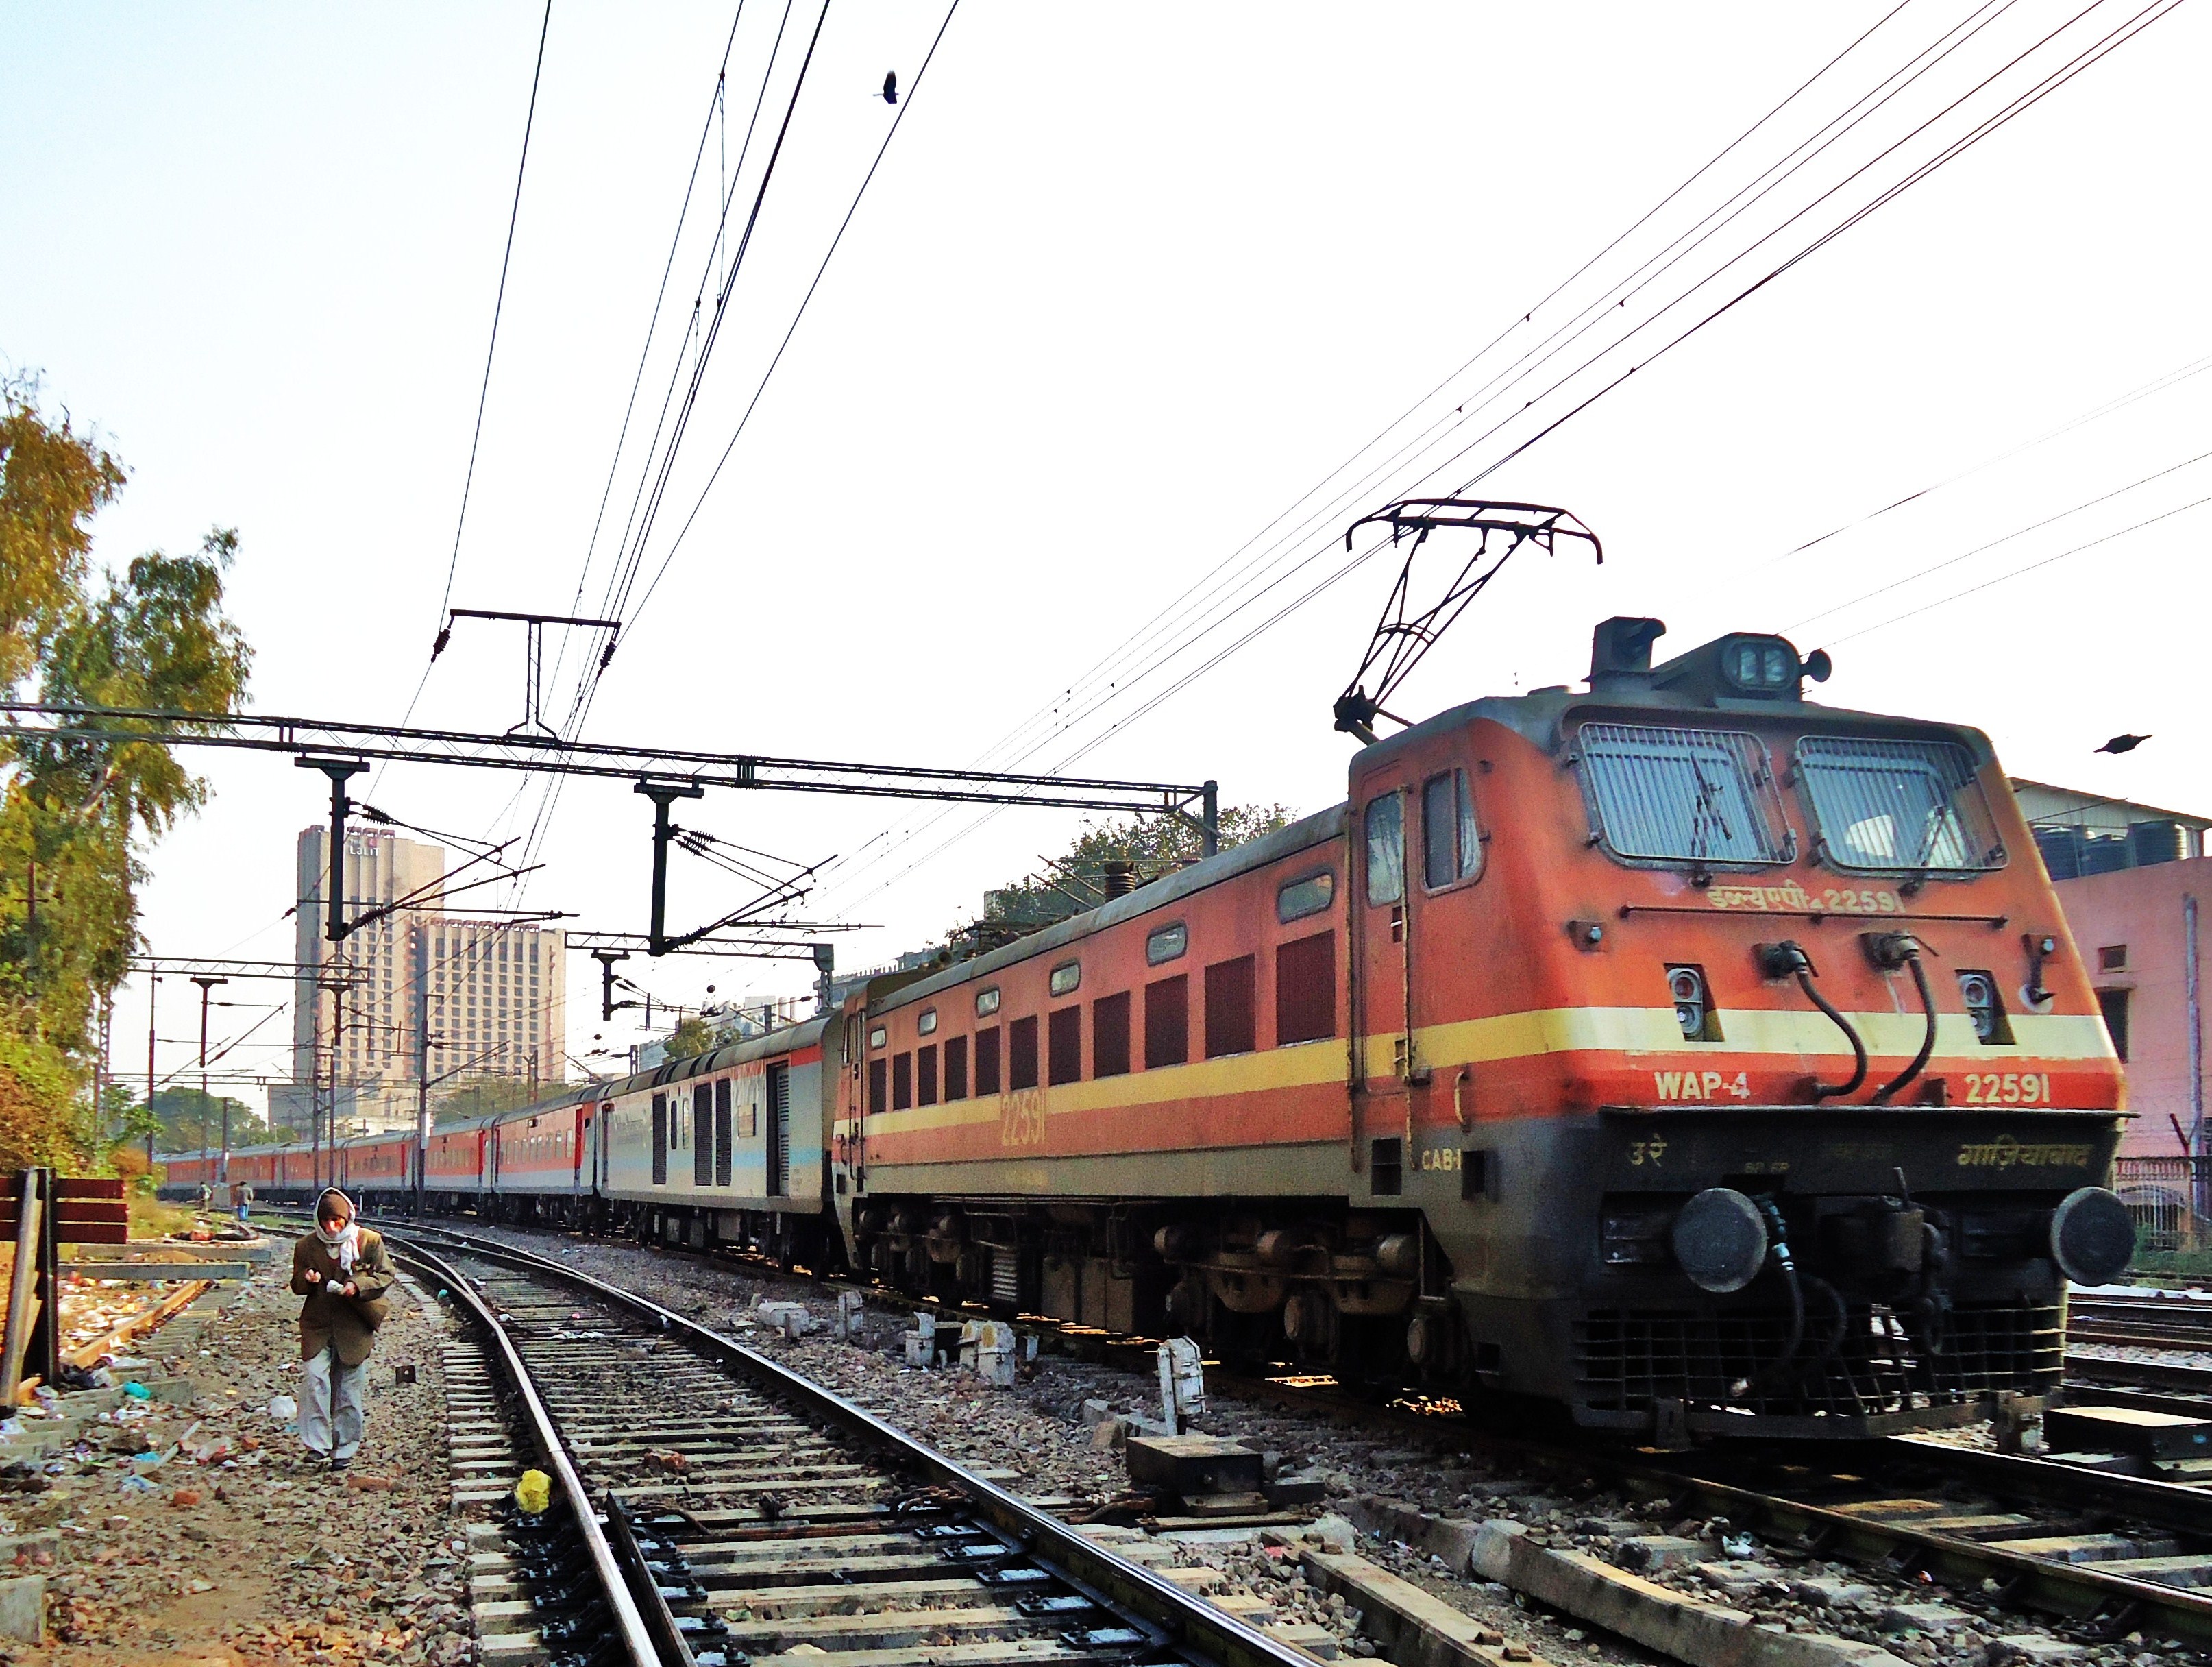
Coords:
341,750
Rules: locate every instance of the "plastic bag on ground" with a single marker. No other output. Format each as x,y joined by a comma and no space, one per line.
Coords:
282,1408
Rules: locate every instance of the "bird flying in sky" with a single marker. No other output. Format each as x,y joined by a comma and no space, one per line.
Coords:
2120,744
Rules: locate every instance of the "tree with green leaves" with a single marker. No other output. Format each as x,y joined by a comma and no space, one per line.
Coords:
77,817
1152,846
483,1095
692,1036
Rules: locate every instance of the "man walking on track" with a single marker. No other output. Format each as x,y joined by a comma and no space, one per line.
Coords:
343,1271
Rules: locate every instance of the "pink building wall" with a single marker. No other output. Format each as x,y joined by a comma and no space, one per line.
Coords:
2143,912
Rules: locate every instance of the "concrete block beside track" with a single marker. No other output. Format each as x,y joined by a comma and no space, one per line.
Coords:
1702,1634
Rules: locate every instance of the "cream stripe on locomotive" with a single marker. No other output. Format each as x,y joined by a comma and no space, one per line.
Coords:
1795,1034
1627,1031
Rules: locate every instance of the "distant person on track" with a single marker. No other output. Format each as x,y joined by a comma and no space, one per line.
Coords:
242,1196
343,1271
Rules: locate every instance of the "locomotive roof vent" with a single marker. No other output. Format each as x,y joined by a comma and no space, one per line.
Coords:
1743,666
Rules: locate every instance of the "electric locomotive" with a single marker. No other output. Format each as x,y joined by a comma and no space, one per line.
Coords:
1682,1050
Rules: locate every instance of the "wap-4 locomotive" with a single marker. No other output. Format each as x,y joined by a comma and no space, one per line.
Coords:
1704,1059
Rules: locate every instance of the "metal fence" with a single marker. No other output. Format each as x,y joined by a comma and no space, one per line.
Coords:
2167,1198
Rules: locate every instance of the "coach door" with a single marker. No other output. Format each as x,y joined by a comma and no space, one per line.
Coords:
660,1139
779,1130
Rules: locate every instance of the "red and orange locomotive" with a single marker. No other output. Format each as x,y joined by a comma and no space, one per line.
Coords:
1682,1050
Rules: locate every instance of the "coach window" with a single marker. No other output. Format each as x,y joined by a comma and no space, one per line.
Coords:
1022,1053
1451,847
1066,976
987,1001
1386,848
956,1067
1166,944
902,1082
927,1025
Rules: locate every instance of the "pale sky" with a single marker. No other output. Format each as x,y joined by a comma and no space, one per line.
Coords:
1130,282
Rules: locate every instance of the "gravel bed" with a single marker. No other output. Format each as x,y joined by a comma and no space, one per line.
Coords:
1037,1430
205,1533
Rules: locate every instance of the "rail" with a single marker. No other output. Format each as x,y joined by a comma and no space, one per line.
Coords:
641,1639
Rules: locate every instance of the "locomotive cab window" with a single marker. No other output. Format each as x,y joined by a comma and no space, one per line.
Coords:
1451,846
1898,806
1687,797
1386,848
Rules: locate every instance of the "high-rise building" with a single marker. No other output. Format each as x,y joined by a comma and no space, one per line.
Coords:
496,993
353,1007
413,995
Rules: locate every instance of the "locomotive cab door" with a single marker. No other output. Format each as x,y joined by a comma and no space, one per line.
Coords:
1384,1066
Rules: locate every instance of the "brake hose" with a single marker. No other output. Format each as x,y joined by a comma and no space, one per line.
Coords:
1928,1038
1779,1251
1788,958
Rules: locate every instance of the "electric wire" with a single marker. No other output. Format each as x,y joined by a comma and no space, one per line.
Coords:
2120,35
2019,572
852,208
1918,573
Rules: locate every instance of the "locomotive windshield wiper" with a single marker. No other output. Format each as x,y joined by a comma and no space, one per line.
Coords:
1789,959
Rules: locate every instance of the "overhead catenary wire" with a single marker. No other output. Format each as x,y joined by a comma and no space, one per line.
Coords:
644,510
1919,574
2021,571
2116,36
1210,603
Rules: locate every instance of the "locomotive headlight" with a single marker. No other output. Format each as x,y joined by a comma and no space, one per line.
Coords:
2092,1236
1692,1003
1720,1240
1761,665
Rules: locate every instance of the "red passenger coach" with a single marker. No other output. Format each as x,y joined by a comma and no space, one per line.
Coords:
537,1162
454,1169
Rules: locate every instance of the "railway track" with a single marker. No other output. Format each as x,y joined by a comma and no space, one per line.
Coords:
713,1507
2075,1539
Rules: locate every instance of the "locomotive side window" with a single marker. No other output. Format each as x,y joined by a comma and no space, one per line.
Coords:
1696,797
1166,944
1898,806
1451,846
1230,1023
1386,848
902,1082
1066,976
1109,1036
1064,1046
1167,1022
986,1062
1308,895
987,1001
877,1037
926,1023
1022,1053
956,1067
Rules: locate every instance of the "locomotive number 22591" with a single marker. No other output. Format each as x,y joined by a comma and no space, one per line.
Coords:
1021,1118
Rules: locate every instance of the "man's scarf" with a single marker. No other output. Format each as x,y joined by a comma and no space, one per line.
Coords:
345,1244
